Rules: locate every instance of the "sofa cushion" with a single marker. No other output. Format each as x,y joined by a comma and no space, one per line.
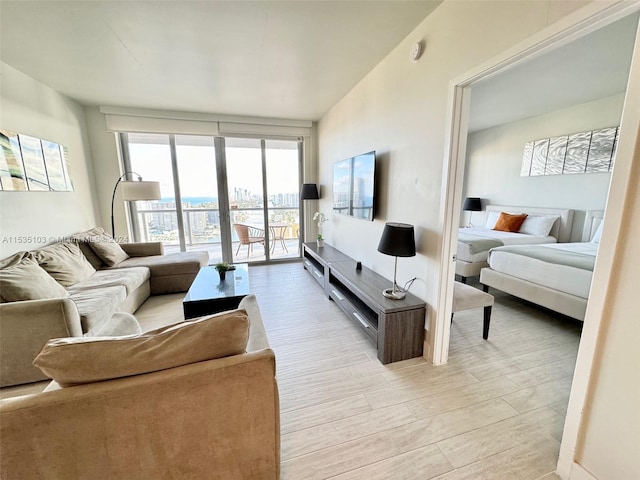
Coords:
71,361
120,324
169,264
103,249
84,239
108,249
258,336
13,259
130,278
26,280
96,305
65,262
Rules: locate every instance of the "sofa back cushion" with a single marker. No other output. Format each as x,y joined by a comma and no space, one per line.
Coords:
26,280
108,250
14,259
64,262
100,248
83,239
71,361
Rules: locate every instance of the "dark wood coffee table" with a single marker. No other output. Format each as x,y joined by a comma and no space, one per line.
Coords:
209,295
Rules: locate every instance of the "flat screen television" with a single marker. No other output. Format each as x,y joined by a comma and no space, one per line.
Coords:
354,186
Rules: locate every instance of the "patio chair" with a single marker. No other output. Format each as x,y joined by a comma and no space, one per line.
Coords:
248,236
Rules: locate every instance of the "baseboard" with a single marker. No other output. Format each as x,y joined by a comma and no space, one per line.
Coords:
579,473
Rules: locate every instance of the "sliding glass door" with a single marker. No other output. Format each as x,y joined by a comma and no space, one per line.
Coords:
263,178
246,198
236,198
197,174
283,207
149,155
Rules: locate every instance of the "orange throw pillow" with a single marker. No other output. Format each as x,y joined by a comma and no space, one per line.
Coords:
509,223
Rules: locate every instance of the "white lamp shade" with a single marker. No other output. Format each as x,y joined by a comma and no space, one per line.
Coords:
132,191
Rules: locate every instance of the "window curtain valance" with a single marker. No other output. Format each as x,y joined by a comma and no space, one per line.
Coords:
185,123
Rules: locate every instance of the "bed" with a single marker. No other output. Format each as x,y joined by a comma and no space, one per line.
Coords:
556,276
542,226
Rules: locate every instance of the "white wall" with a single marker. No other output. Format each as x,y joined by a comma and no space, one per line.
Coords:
32,108
399,109
106,165
494,158
611,432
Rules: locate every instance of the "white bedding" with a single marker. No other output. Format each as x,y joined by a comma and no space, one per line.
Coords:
507,238
571,280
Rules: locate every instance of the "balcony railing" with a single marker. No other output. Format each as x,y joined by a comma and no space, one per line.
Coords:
202,225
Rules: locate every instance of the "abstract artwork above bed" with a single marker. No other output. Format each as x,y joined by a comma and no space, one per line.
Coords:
583,152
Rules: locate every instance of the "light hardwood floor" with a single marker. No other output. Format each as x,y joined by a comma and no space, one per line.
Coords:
495,411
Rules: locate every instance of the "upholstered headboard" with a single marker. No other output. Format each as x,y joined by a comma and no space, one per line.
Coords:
561,230
592,221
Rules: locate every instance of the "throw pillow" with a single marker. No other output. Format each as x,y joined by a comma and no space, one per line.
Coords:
71,361
492,218
14,259
509,223
28,281
64,262
538,225
84,239
105,247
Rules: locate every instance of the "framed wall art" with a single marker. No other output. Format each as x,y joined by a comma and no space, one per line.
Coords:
31,164
583,152
12,175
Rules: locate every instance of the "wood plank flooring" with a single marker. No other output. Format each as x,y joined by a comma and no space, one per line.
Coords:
495,411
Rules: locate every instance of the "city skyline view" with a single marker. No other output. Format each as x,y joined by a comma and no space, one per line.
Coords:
262,181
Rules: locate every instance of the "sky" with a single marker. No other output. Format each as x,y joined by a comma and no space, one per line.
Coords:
197,170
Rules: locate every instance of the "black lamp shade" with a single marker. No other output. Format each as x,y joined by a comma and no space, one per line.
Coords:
309,192
398,240
472,204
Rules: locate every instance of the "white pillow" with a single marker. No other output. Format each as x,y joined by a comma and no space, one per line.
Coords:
538,225
492,218
598,234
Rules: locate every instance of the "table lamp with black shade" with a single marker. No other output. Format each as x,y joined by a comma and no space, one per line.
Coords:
472,204
398,240
309,191
132,191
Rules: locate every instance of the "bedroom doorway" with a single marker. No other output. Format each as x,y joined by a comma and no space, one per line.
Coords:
500,118
589,20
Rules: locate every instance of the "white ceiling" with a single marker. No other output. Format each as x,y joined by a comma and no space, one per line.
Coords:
280,59
593,67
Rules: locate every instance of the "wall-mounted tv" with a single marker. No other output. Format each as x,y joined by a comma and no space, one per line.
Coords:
354,186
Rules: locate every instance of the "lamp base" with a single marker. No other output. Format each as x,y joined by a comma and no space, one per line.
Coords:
394,295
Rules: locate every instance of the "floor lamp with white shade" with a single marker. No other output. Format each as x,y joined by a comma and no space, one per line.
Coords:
132,191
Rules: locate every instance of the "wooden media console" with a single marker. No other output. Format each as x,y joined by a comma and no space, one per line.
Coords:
396,327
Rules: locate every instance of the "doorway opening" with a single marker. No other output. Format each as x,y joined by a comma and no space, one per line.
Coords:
455,163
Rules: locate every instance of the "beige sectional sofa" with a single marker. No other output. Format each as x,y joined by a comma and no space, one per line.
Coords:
67,289
213,413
